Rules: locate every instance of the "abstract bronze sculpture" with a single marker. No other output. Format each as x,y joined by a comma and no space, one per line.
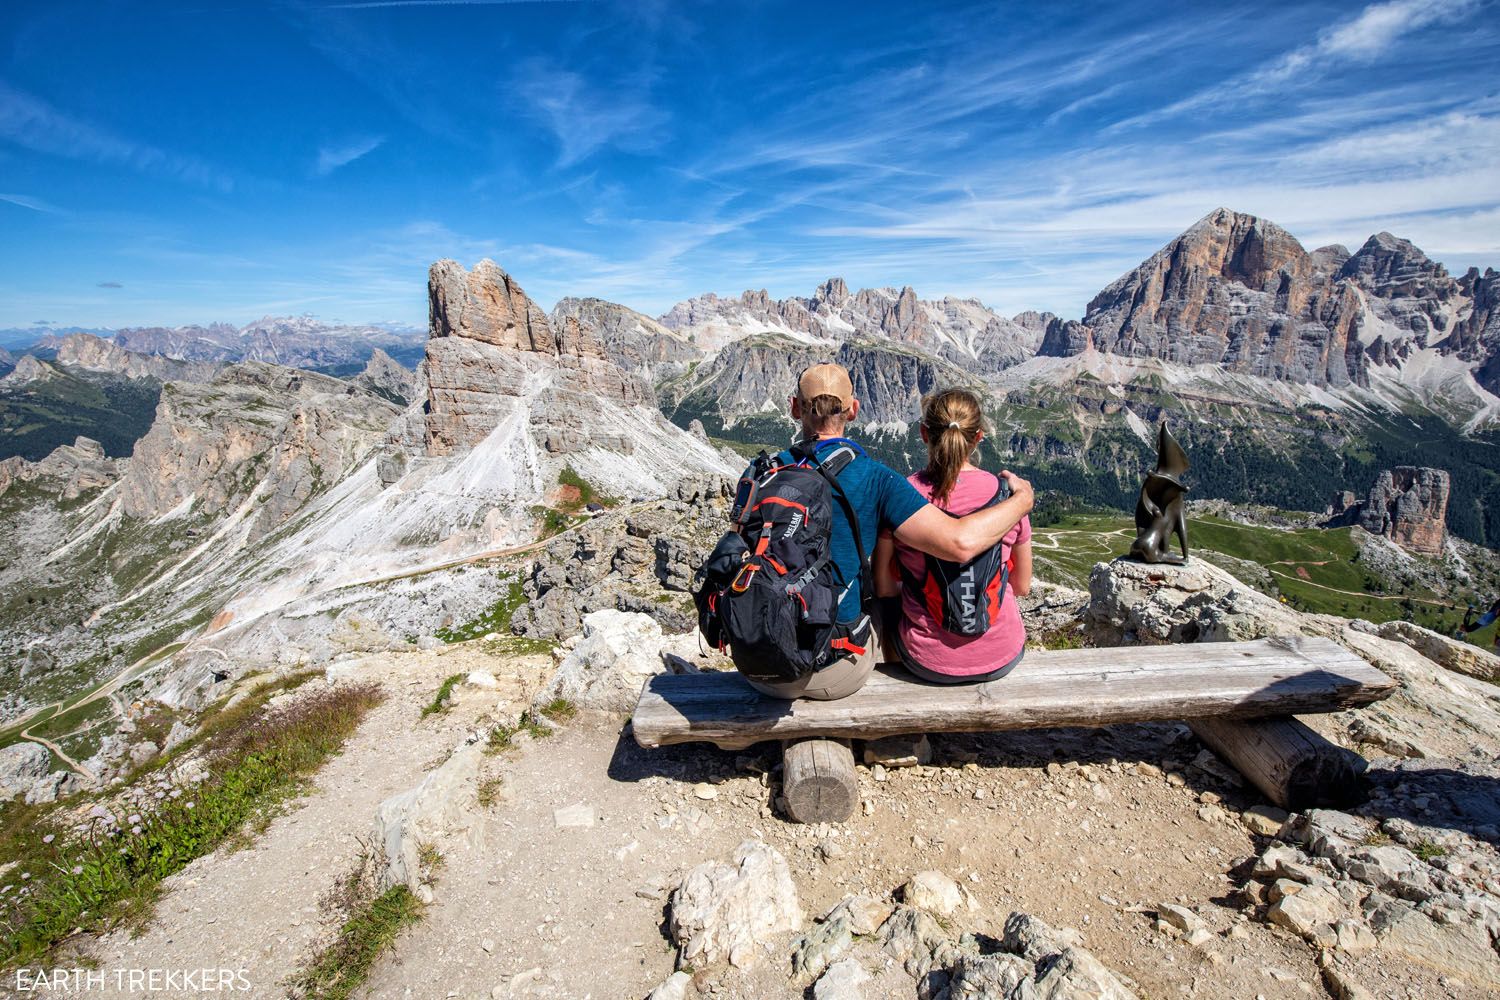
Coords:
1160,512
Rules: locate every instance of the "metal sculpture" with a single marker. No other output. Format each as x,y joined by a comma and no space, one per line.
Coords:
1160,511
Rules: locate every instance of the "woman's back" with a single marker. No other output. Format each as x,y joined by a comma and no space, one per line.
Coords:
925,642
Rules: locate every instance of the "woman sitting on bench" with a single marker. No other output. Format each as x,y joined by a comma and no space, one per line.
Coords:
958,623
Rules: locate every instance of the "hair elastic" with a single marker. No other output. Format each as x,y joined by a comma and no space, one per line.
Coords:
954,424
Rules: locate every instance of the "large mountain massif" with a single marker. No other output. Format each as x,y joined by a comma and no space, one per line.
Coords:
1288,373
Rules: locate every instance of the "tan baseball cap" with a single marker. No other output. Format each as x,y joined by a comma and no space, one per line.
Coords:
826,379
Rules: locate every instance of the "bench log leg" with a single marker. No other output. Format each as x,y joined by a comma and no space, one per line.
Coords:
1294,766
817,778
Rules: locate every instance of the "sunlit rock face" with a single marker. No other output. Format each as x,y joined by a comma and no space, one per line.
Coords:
491,349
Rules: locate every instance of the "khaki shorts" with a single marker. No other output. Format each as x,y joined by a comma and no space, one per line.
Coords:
839,679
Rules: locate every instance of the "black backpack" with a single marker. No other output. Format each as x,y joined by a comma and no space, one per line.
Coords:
770,590
964,597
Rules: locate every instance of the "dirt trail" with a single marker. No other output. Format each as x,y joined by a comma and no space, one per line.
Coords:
257,909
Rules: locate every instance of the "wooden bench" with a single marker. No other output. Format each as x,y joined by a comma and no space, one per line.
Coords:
1238,697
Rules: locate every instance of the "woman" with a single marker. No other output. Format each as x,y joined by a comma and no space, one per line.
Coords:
937,641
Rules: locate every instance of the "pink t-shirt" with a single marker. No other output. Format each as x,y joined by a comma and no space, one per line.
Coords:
925,639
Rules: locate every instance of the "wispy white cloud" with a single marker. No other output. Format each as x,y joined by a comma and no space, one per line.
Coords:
1376,30
331,158
32,123
34,204
585,116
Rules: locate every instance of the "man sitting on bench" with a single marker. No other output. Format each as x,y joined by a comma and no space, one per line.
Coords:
881,500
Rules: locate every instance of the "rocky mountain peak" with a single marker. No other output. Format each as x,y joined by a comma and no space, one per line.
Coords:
630,339
833,292
95,354
486,305
1390,266
28,369
1407,504
385,377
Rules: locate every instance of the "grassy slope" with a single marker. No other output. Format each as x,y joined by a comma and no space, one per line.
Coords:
53,411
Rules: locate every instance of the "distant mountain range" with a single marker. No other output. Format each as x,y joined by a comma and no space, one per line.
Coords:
296,341
199,487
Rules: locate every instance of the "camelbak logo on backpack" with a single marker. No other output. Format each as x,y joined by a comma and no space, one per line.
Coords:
770,590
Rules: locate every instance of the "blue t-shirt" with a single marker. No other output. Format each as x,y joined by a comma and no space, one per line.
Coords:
881,499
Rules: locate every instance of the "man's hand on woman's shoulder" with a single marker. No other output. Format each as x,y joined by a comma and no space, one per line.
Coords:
1018,486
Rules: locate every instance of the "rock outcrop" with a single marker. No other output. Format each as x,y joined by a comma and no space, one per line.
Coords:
442,806
728,912
386,378
614,656
69,472
629,561
1407,504
21,765
95,354
280,434
492,357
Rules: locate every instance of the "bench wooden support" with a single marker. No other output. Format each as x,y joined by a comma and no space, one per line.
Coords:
1287,760
818,781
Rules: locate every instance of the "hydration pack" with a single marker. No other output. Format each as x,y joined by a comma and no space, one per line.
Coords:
965,597
770,590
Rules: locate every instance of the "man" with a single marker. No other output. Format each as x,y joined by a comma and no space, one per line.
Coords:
825,405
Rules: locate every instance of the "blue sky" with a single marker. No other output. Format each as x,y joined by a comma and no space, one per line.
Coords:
171,162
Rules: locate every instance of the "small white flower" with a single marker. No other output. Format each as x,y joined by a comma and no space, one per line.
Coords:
49,838
135,830
78,869
176,792
135,817
190,805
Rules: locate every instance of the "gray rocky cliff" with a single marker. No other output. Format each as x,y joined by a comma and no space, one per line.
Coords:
95,354
1236,291
631,340
387,379
278,433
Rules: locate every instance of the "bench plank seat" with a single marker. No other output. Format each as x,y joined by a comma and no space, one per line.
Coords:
1279,676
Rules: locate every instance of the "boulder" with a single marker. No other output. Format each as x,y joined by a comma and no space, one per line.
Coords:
674,987
726,911
915,939
619,650
1452,654
1310,913
834,933
442,806
1461,948
1197,602
985,977
21,765
842,981
1063,968
932,891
